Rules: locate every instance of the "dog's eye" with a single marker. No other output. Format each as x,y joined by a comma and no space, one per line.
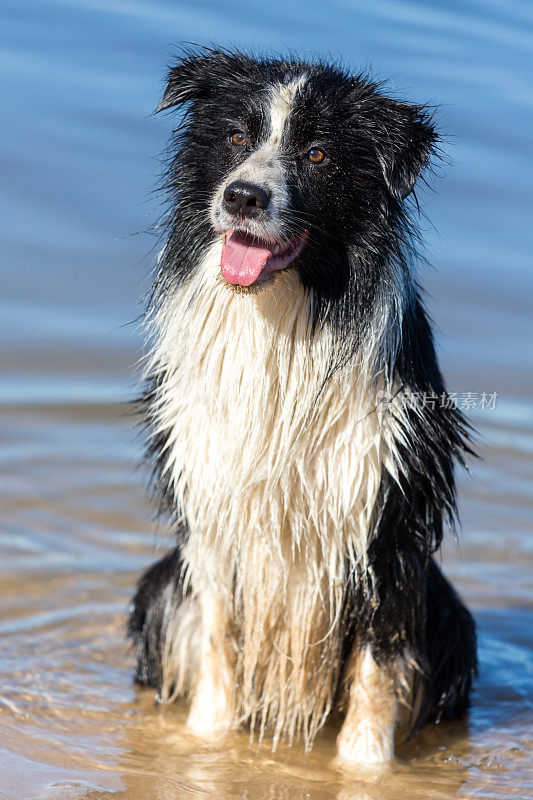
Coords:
238,138
316,156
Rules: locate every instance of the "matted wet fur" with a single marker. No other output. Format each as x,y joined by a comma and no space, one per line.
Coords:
307,486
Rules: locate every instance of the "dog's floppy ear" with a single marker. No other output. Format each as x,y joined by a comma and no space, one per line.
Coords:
200,72
411,140
188,79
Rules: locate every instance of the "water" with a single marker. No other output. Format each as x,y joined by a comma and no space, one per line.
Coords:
78,158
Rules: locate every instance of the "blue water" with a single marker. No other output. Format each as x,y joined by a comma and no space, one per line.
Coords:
78,163
78,152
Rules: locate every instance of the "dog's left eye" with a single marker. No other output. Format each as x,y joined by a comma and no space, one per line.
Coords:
316,156
238,138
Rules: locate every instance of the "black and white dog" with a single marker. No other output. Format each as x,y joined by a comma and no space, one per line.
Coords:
288,346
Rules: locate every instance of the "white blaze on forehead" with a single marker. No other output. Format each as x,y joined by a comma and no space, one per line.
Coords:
281,101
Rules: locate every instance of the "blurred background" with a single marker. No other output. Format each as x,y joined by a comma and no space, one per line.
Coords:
79,159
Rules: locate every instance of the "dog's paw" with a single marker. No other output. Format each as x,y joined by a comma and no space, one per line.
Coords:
364,744
210,713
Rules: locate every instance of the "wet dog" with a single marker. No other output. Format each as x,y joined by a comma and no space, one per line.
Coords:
307,481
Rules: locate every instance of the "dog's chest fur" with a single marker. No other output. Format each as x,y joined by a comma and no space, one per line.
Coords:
277,475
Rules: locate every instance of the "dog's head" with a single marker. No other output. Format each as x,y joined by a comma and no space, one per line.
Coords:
297,165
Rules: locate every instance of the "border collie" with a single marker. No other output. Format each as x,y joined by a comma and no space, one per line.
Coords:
307,486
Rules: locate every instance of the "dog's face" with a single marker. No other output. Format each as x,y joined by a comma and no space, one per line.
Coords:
296,165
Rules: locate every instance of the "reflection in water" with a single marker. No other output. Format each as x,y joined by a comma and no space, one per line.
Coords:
233,768
76,154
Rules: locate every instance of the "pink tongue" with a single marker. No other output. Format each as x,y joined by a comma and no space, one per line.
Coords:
242,261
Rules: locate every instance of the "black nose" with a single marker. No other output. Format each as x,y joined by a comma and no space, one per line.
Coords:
245,199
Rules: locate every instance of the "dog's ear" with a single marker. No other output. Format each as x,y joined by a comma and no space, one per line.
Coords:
186,81
410,143
202,71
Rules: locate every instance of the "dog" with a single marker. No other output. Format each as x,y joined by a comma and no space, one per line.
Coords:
307,487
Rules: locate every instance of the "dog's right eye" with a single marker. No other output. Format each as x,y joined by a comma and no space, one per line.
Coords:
238,138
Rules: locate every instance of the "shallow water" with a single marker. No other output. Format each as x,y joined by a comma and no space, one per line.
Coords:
78,157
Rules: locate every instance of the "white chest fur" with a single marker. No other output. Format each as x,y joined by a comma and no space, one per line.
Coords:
276,473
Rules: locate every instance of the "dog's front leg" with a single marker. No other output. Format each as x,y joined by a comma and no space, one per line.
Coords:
212,704
367,734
